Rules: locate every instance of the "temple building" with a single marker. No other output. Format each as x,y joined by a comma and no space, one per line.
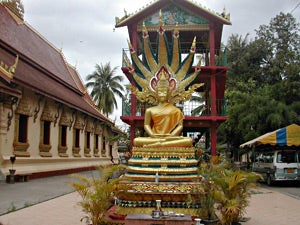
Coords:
192,20
48,121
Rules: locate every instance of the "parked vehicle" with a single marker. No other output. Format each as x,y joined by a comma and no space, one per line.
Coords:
278,165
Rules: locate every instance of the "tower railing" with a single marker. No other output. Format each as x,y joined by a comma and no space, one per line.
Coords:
189,108
220,56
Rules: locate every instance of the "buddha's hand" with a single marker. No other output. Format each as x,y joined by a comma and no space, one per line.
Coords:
160,135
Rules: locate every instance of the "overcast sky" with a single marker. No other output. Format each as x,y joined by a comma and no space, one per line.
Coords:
84,29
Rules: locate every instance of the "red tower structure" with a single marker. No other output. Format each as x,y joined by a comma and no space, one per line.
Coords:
191,20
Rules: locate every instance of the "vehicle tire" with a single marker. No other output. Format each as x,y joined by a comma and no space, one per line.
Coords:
269,180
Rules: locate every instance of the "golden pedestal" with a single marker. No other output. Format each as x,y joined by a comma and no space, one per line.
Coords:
163,164
168,174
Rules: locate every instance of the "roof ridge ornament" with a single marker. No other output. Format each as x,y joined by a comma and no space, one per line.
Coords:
15,6
8,71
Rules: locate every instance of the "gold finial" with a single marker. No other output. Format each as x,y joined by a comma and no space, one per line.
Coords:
145,31
15,6
9,71
160,18
193,47
132,50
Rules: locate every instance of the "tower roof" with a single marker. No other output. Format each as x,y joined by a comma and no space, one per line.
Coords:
156,5
190,18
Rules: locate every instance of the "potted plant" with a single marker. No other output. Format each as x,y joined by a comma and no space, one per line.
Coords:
226,192
232,192
206,195
98,194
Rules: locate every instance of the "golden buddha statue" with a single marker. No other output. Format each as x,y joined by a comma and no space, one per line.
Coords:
162,79
166,121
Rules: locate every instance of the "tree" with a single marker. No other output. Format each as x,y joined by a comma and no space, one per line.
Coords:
105,85
262,82
282,36
198,99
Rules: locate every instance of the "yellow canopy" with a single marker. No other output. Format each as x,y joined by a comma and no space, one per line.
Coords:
287,136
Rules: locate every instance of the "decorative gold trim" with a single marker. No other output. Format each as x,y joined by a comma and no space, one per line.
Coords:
45,154
48,113
65,155
162,170
9,71
37,108
185,27
45,150
75,151
66,117
21,154
182,187
14,101
145,210
44,147
15,6
79,122
25,106
165,152
62,149
160,162
89,126
20,149
87,152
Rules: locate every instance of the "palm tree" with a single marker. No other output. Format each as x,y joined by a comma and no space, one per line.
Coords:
105,84
198,99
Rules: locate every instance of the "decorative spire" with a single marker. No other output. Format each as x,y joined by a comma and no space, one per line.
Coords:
15,6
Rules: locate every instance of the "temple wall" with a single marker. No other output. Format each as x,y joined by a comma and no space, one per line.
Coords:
35,162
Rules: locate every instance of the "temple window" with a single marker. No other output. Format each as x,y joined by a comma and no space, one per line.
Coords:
76,143
87,149
88,138
96,145
77,138
103,150
62,146
21,136
96,141
63,135
45,146
23,129
46,133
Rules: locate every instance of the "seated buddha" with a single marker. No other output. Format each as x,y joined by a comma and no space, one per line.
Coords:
163,123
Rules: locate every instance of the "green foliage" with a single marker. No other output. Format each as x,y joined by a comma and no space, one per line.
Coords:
263,81
233,193
104,85
98,194
227,191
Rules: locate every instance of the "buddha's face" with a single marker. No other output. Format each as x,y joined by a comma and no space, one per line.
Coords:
163,94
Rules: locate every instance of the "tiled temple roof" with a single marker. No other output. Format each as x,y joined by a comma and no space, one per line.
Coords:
42,67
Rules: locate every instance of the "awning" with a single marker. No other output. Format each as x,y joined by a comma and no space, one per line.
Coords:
287,136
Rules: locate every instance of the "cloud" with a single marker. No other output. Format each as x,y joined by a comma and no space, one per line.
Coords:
85,29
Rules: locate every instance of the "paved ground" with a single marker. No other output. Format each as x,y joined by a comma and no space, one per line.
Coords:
24,194
266,207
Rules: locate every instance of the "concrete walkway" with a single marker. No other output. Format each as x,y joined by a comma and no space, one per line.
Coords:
266,207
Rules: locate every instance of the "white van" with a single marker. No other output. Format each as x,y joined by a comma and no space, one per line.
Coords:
278,165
